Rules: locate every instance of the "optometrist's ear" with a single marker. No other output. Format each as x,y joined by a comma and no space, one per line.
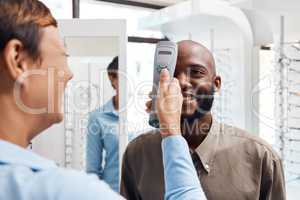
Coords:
14,56
217,83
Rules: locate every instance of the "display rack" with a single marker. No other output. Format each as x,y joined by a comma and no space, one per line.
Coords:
68,129
287,109
222,105
77,105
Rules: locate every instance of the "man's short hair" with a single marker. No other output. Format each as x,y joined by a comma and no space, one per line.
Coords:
113,66
23,20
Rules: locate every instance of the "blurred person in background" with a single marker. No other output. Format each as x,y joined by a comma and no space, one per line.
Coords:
103,137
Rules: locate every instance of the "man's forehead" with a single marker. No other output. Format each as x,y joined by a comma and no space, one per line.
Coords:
192,49
193,53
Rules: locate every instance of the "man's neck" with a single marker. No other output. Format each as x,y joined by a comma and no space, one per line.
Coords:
116,102
14,126
196,132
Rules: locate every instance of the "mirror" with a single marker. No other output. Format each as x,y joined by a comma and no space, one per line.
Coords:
89,138
87,94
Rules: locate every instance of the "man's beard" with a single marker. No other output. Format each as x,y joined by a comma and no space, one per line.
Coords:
204,102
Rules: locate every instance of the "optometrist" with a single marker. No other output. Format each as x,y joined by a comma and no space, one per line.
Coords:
31,52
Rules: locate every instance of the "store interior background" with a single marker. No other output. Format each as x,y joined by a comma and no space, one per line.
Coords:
256,44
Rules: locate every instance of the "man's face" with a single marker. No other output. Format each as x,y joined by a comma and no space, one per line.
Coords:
114,80
46,88
196,75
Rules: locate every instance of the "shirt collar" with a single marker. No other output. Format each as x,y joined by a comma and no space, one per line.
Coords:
109,108
15,155
207,149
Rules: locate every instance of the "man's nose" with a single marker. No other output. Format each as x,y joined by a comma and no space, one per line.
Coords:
184,81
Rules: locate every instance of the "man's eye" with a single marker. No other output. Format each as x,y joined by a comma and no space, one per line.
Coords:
197,72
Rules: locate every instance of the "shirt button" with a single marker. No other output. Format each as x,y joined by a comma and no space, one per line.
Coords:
206,166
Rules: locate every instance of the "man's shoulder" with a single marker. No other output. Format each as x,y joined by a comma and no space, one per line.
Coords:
150,140
95,114
248,141
106,107
98,111
99,114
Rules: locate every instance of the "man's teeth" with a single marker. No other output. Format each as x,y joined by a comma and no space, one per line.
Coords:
189,97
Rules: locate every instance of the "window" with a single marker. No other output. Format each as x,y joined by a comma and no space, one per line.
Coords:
60,9
101,10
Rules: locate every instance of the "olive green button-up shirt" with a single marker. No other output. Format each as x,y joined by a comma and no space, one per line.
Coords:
231,165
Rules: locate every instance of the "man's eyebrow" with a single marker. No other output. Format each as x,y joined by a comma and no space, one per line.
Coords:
198,66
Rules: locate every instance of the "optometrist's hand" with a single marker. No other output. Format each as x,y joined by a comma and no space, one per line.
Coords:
168,103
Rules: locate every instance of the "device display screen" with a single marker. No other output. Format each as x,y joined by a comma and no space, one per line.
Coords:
165,52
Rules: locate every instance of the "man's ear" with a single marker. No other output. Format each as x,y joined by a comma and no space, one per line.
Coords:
14,56
217,83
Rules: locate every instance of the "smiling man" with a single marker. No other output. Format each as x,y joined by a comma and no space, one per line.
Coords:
231,164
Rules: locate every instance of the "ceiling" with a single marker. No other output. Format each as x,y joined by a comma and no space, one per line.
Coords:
159,2
162,3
